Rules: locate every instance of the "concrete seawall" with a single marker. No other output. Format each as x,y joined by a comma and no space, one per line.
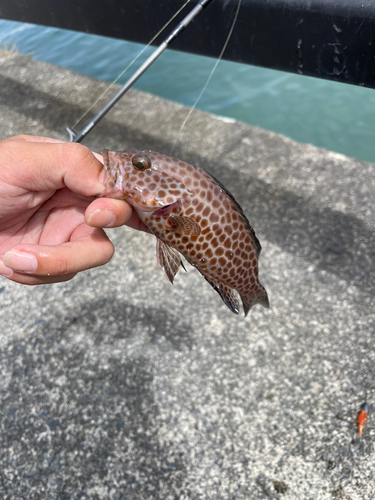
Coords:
118,385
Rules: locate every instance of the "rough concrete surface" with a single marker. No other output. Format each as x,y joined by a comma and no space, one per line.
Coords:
117,385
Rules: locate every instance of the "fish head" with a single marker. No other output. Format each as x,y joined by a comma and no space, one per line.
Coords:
138,177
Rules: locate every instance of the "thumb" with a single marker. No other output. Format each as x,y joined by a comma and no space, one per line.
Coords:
43,166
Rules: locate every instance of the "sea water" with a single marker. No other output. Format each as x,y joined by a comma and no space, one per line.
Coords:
332,115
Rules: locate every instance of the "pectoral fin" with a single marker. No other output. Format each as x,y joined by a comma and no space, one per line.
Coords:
183,225
168,258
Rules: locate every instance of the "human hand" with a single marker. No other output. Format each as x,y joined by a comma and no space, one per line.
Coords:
49,219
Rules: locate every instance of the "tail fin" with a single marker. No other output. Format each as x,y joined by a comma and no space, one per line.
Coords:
258,296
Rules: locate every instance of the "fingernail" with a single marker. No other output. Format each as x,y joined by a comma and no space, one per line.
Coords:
101,217
5,271
19,261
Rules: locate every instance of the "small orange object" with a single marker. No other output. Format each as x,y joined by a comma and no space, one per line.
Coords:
362,417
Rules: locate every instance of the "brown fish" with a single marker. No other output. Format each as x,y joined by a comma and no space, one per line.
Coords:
193,214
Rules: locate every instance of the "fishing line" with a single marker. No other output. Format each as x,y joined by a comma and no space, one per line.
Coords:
128,66
209,77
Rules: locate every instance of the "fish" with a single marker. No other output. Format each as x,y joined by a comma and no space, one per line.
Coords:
192,215
362,417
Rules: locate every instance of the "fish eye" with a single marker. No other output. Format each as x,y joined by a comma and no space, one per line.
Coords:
141,162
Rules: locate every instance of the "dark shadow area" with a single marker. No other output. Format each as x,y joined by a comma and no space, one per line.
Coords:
71,421
114,319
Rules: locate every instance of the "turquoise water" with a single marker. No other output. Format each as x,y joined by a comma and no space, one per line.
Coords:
335,116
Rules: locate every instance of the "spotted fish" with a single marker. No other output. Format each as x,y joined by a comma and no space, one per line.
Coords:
190,213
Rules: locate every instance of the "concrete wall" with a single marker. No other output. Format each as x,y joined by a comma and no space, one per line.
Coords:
119,385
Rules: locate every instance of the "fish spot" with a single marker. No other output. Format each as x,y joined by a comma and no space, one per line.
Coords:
174,192
214,217
219,251
197,174
222,237
227,243
203,184
216,203
161,193
199,208
221,211
206,211
209,195
205,245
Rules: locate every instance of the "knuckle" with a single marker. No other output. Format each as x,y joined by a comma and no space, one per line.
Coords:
76,152
62,268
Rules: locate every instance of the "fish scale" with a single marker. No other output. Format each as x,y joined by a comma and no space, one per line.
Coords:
191,214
